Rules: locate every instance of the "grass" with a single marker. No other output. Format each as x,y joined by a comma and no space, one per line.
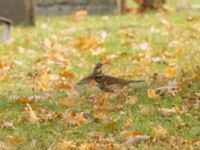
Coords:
23,54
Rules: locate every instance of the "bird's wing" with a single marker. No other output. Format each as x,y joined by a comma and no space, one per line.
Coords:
103,87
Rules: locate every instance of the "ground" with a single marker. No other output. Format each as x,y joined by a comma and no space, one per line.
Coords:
41,107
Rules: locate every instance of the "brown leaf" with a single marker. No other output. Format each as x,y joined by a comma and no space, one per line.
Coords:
134,140
7,125
132,100
89,146
32,115
160,131
87,43
145,109
97,135
152,93
24,100
63,86
43,80
15,140
67,102
73,118
133,133
66,145
167,111
80,15
67,74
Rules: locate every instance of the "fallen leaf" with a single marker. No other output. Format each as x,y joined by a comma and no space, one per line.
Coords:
167,111
87,43
66,145
152,93
67,102
89,146
134,140
63,86
97,135
43,80
132,100
180,52
32,115
15,140
191,18
67,74
161,131
24,100
73,118
133,133
7,125
170,72
80,15
145,109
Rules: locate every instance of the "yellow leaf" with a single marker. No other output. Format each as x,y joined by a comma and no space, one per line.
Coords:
43,80
170,72
3,75
180,52
132,100
152,93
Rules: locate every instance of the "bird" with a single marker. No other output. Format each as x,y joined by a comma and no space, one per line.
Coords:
96,71
105,82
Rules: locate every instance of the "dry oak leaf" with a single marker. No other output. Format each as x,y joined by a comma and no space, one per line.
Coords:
67,74
15,140
7,125
152,94
132,100
24,100
73,118
63,86
87,43
167,111
134,140
89,146
170,72
32,115
67,102
3,75
43,81
79,15
66,145
161,131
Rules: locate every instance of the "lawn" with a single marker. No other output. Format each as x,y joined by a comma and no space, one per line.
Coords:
41,107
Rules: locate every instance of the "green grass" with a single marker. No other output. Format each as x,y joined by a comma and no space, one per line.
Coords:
26,49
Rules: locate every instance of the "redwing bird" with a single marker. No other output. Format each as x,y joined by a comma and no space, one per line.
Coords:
106,83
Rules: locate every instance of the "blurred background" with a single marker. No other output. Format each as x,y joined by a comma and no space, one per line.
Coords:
26,11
